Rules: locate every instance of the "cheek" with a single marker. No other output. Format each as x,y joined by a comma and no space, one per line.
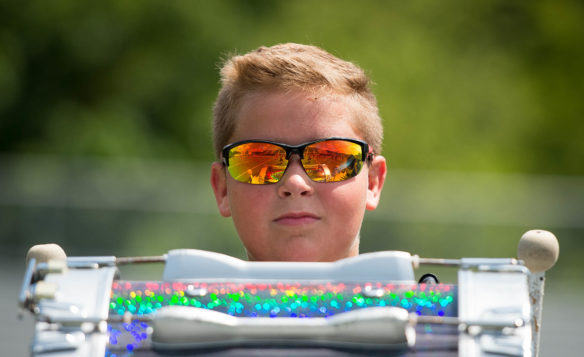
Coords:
247,203
348,202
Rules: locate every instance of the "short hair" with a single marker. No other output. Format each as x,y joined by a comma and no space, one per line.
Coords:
287,67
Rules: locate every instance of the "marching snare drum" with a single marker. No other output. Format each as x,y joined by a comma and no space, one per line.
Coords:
211,304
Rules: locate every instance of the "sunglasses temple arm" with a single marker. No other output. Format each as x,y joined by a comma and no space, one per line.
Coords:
370,154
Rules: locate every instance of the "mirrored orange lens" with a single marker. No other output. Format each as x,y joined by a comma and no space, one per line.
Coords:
332,160
257,163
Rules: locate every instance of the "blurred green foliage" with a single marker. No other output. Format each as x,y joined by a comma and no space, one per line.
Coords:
483,85
103,103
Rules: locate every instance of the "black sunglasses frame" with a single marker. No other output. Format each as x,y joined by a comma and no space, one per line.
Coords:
297,149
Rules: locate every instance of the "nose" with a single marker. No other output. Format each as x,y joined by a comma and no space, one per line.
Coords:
295,182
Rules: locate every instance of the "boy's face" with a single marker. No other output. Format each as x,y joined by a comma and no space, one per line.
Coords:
297,219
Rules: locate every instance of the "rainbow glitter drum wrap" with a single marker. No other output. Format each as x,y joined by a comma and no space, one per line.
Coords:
264,300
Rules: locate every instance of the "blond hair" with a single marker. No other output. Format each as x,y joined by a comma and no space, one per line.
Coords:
288,67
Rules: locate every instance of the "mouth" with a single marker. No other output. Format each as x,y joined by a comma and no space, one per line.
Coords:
296,218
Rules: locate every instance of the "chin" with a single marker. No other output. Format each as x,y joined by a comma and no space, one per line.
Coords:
302,249
312,254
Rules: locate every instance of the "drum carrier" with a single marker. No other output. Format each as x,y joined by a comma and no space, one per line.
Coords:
212,304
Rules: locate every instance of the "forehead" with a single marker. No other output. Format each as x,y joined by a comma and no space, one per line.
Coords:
294,117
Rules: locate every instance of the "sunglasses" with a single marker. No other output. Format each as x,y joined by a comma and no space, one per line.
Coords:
261,162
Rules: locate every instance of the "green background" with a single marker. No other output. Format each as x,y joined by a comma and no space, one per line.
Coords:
105,110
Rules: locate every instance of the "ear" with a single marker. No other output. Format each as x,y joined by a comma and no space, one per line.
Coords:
377,172
219,185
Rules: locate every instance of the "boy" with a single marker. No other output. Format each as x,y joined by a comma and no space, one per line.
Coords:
297,136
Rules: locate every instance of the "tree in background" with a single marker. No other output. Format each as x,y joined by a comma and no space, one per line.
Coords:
490,85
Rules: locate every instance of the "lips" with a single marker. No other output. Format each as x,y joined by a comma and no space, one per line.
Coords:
297,218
